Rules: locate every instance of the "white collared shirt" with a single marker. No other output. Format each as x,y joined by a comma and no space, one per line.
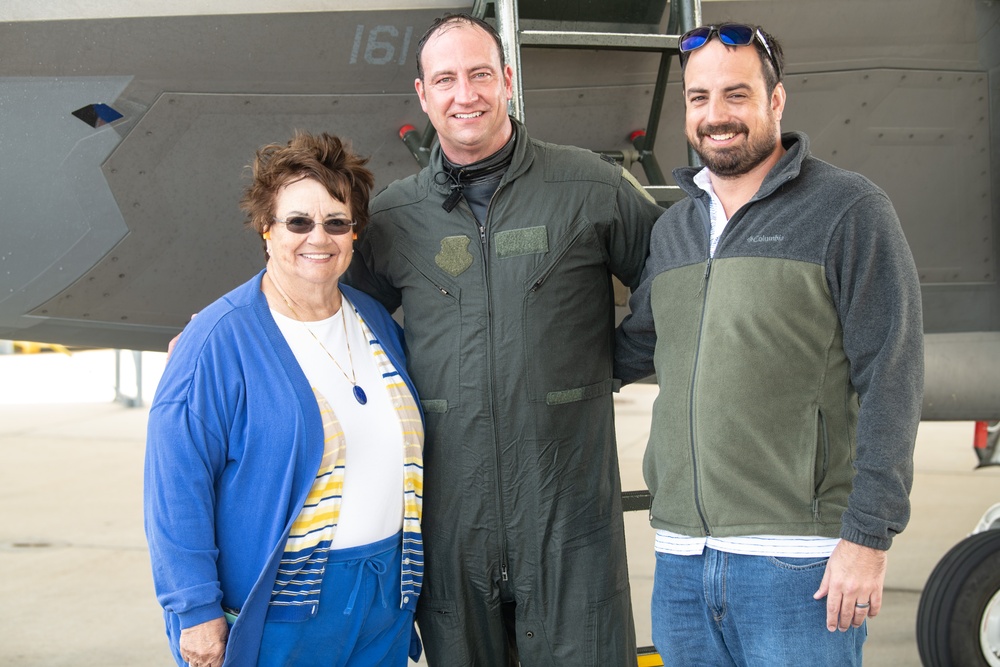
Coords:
716,211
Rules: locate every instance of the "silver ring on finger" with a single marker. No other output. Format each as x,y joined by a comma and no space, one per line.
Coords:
863,605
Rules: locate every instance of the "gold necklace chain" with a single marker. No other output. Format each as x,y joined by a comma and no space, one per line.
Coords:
352,378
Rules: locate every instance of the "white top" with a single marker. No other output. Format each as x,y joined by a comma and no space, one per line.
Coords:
786,546
716,212
372,505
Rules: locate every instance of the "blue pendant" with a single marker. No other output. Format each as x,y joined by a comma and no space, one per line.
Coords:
360,394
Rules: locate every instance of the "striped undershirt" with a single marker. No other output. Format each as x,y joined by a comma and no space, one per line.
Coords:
782,546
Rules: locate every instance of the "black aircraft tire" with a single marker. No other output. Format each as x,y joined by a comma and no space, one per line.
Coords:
954,600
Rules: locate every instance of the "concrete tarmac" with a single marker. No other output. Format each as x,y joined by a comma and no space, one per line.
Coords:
75,583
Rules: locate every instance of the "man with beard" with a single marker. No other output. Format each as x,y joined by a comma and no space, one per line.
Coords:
780,309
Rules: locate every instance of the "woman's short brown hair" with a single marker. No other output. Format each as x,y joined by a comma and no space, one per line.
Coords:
324,158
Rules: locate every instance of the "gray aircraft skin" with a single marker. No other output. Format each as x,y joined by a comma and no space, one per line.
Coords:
114,235
116,229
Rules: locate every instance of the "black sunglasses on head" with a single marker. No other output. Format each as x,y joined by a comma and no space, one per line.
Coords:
730,34
300,224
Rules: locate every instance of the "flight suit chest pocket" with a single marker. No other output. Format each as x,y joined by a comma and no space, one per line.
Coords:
567,319
433,325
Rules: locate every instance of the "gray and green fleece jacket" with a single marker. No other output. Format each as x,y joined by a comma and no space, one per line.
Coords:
790,364
510,336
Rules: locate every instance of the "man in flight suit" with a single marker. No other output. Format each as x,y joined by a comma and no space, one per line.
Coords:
501,253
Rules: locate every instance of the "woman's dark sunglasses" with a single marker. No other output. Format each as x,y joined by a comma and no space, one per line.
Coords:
730,34
300,224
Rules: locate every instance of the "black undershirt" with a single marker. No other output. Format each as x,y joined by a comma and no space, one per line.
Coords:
477,181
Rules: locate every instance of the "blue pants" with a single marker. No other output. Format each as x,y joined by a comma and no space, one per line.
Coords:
726,609
359,622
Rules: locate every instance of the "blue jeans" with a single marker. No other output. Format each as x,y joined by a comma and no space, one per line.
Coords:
726,609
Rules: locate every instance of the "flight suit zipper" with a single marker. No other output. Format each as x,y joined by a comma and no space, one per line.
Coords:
491,357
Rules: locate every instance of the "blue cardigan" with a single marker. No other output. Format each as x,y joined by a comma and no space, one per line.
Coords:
233,445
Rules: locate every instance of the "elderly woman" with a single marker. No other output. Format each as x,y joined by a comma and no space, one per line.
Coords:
283,463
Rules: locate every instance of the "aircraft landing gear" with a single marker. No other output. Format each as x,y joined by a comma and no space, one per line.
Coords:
958,619
987,443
